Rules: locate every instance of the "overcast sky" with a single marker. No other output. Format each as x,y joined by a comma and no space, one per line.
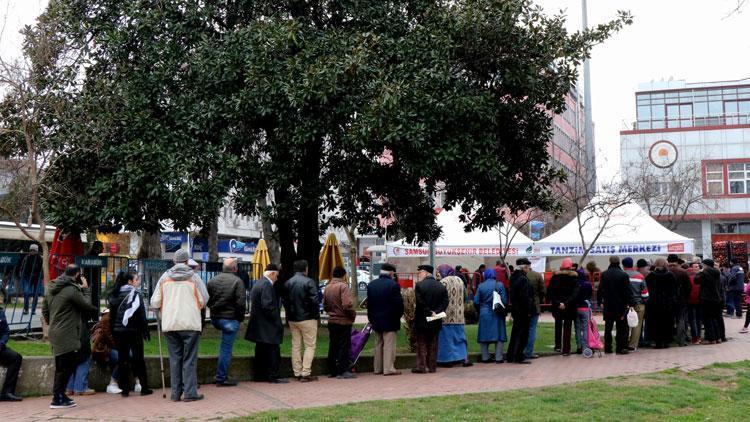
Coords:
694,40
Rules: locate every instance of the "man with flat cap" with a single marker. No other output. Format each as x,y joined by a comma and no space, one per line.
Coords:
264,327
384,310
432,298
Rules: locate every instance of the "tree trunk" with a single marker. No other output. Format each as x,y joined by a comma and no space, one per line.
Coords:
213,240
270,235
351,236
149,245
285,227
308,233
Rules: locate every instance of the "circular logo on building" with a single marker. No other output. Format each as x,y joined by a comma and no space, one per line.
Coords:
663,154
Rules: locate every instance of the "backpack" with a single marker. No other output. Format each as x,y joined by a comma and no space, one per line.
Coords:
102,340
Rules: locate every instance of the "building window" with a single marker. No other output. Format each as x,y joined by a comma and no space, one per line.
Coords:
715,179
734,227
738,178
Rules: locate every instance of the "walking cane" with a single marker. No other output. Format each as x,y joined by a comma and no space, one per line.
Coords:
161,358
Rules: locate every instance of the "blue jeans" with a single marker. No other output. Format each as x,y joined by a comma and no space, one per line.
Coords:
79,381
529,350
734,303
229,328
582,328
32,287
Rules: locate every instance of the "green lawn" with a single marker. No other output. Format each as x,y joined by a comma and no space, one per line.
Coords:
718,392
209,344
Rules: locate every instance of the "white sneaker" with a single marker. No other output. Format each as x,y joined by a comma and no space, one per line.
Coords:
137,388
113,389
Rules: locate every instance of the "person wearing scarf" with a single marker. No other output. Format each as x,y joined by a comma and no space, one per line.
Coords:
128,313
452,344
491,325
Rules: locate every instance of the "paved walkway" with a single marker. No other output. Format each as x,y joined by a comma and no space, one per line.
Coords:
249,398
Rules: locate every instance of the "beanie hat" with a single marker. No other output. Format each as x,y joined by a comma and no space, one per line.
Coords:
34,247
181,256
627,262
641,263
567,264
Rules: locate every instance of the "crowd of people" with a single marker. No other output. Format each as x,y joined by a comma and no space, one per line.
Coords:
654,304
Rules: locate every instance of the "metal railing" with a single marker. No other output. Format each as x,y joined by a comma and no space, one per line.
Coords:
671,122
22,281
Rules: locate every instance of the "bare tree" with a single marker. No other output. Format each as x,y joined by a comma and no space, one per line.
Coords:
668,194
591,206
516,222
31,107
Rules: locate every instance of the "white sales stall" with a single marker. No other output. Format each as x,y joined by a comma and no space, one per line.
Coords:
469,249
629,231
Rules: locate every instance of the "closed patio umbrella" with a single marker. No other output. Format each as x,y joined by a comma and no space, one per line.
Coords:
261,259
330,257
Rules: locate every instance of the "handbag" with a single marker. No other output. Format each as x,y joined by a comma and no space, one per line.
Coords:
632,318
497,304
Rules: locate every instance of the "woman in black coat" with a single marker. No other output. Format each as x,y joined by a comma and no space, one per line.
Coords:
662,299
129,327
563,295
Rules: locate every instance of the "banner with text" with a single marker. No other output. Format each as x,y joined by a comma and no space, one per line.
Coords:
409,251
630,249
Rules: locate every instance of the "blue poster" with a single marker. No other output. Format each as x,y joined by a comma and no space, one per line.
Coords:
173,241
235,246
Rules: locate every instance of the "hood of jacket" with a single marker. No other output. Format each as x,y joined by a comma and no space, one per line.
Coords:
180,272
61,282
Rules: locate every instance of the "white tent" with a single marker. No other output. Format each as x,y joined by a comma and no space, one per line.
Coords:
630,230
454,241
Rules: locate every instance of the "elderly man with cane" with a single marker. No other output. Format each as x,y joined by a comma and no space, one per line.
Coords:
179,296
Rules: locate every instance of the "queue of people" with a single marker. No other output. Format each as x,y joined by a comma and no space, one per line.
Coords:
672,302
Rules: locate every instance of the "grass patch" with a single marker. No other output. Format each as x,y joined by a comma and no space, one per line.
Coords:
663,396
211,339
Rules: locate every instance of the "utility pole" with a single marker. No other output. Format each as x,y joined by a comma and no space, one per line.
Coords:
589,125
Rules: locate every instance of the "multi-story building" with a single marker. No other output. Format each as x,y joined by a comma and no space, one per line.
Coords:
568,150
694,138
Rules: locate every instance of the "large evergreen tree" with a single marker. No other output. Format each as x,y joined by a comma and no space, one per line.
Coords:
187,99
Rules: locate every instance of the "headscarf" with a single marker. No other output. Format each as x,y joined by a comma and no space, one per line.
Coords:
489,273
446,270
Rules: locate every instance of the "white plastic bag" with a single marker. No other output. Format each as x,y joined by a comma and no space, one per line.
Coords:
632,318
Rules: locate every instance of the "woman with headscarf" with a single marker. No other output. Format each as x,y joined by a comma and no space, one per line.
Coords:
491,325
452,344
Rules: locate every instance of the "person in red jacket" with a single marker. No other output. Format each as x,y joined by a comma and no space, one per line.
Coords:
693,308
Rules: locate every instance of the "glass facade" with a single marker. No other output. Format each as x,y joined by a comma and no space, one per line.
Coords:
693,107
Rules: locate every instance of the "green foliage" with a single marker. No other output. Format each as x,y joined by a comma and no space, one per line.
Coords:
186,101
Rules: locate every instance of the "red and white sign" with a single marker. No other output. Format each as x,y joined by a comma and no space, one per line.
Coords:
676,248
419,251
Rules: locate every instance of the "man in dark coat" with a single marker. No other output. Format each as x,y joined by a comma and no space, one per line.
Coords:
684,286
710,299
302,314
67,300
522,308
226,300
385,306
614,294
432,299
264,328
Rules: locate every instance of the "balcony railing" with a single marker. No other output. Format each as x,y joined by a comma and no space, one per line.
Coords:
694,121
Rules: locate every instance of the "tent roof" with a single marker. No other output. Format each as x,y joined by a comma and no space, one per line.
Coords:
628,225
454,234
